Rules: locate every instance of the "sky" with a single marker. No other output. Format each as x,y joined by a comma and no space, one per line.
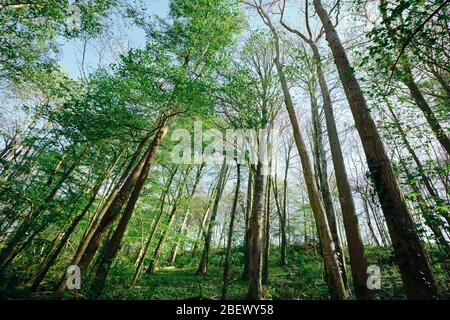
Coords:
124,36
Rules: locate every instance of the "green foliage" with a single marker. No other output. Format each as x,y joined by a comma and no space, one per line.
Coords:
301,279
79,135
29,31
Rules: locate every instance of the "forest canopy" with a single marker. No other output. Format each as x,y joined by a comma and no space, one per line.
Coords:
224,149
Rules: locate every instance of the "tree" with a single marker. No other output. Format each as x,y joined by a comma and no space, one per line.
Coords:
226,268
329,253
409,252
358,260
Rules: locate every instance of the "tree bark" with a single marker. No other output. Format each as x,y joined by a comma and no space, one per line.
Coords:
113,245
254,291
226,268
266,252
409,253
7,255
358,261
203,266
323,185
248,210
183,227
143,251
155,259
37,279
416,94
326,240
107,214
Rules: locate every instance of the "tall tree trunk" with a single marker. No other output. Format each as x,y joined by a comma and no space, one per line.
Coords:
266,252
420,169
183,227
379,223
420,101
106,215
254,291
143,251
7,255
226,268
47,264
282,223
283,256
358,261
369,224
248,210
201,229
427,213
203,266
323,185
113,245
158,249
326,240
409,253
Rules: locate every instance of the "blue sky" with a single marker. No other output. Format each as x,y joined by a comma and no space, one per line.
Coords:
131,36
70,52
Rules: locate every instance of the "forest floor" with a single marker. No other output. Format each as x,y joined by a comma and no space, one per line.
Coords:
301,279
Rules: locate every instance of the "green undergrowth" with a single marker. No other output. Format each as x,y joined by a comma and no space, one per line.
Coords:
301,278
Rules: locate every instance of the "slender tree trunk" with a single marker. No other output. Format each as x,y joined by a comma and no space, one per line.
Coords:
369,224
329,252
248,210
283,256
183,227
420,101
379,223
106,216
155,259
113,245
420,169
254,291
143,251
435,228
7,255
427,214
16,147
282,223
47,264
201,229
358,261
444,85
323,184
56,168
203,266
266,252
226,268
179,238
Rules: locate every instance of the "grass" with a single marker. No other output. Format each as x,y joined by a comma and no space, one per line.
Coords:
301,279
